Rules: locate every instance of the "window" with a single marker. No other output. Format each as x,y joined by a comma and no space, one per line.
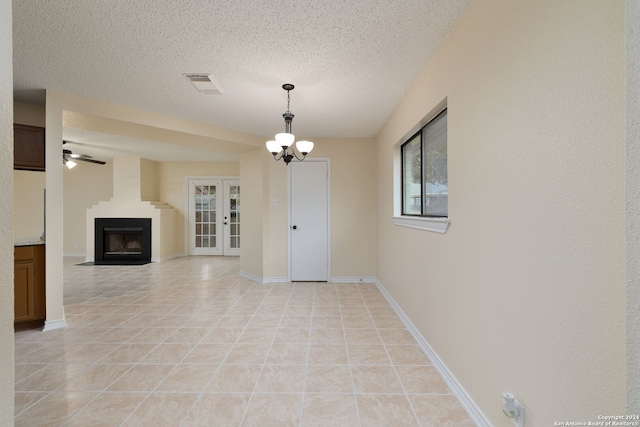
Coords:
424,170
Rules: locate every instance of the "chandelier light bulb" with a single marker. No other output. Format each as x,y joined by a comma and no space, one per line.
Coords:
285,139
273,147
304,147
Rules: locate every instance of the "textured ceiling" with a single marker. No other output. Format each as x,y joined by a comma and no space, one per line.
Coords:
351,60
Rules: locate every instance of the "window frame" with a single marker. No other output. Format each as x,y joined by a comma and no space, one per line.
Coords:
402,172
434,223
420,134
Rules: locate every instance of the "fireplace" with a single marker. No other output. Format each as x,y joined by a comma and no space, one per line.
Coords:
122,241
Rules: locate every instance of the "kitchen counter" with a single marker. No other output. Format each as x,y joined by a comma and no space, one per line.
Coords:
28,242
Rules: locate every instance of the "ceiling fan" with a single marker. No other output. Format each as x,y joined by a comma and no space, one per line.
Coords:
69,159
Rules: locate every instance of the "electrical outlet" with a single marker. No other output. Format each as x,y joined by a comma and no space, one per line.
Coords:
519,420
76,246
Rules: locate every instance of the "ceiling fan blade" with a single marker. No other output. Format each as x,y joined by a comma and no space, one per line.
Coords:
85,159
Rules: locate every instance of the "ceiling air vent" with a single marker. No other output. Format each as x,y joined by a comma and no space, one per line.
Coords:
205,83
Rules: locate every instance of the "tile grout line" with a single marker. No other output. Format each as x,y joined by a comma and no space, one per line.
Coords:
202,393
393,365
306,365
259,377
353,382
176,365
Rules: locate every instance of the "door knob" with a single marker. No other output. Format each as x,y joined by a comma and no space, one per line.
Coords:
295,227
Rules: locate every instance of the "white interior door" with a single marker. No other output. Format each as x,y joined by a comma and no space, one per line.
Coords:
214,221
309,220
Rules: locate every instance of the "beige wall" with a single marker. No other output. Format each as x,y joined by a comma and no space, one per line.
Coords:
353,205
254,182
6,213
149,180
127,178
526,291
84,186
28,204
276,223
54,212
633,207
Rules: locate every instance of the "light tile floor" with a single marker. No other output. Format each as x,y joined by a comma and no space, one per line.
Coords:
188,342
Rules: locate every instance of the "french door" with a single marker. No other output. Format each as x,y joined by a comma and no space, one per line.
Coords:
214,217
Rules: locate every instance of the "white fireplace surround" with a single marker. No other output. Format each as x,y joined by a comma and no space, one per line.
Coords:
133,177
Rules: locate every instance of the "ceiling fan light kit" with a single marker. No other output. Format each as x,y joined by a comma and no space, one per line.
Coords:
279,147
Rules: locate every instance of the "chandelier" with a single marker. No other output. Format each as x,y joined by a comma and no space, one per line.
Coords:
280,147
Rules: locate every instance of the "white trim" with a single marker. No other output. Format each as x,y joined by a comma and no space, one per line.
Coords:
167,258
438,225
353,280
276,280
263,280
475,413
54,324
250,276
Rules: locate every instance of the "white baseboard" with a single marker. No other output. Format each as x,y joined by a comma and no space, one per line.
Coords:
167,258
250,276
54,324
89,259
353,280
458,391
265,280
276,280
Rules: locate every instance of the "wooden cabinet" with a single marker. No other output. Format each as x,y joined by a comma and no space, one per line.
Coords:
29,278
28,147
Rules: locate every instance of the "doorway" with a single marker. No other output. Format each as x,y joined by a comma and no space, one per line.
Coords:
214,217
309,248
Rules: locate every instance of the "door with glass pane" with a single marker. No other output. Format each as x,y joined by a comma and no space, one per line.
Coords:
214,221
231,219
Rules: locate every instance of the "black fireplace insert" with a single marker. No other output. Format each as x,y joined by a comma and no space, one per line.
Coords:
122,241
